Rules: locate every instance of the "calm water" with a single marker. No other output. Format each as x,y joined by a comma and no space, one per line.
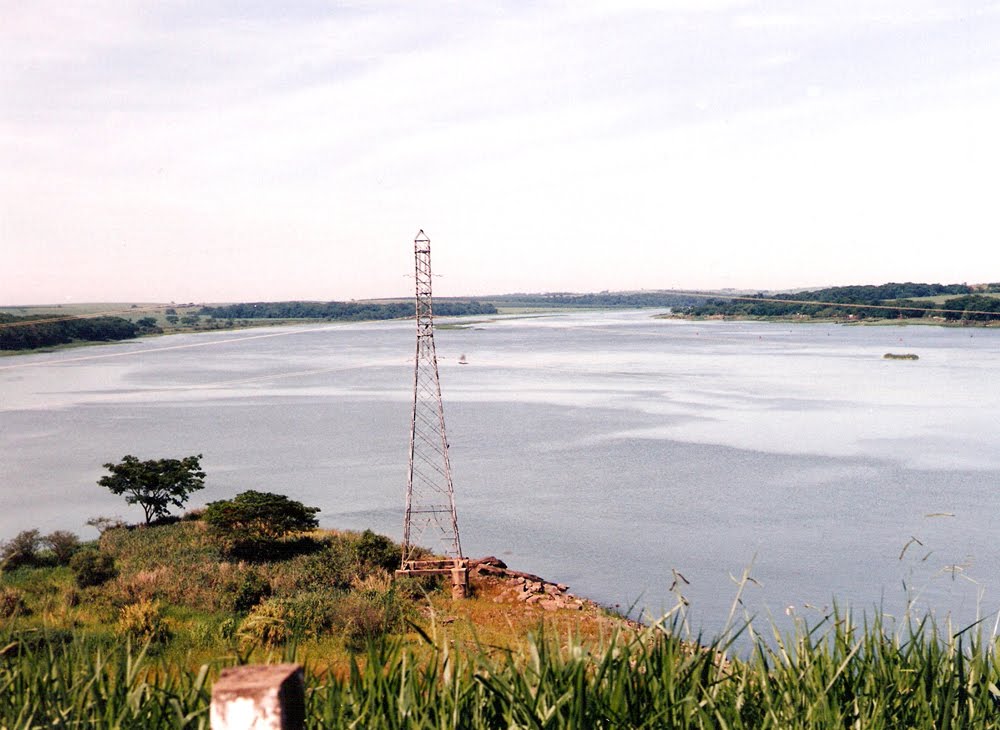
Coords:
602,450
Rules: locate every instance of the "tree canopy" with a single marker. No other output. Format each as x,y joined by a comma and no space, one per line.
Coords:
252,519
156,484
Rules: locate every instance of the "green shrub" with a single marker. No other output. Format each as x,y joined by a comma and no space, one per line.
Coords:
378,551
306,616
144,622
332,568
314,614
92,568
342,558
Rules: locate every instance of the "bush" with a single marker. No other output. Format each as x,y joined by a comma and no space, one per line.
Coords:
144,622
333,568
253,520
306,616
92,567
378,551
249,592
62,544
12,603
21,550
314,614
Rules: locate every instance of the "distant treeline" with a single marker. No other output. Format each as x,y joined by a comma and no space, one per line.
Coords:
29,333
342,310
603,299
878,302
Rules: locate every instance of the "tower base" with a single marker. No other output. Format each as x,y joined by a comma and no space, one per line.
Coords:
457,568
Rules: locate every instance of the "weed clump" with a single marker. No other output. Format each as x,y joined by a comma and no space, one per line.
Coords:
267,624
12,602
144,621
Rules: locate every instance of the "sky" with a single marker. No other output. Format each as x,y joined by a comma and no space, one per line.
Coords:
199,151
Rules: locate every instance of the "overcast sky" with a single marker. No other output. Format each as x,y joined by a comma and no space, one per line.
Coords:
219,151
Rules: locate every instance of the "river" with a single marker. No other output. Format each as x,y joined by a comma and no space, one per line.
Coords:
605,450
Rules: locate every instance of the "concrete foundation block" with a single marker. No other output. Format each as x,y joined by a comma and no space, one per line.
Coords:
259,697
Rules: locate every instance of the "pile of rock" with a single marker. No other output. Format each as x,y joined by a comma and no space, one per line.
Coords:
530,589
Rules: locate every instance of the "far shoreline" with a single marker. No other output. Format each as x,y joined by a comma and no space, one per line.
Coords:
86,311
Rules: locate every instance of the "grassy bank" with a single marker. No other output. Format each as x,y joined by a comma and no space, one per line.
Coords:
142,646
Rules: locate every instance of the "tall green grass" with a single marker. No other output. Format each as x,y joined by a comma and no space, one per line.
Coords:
836,674
54,681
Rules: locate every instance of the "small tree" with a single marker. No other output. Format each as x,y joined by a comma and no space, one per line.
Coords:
253,519
20,550
155,485
63,544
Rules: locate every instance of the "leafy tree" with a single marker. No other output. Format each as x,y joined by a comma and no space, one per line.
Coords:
20,550
63,544
156,484
254,519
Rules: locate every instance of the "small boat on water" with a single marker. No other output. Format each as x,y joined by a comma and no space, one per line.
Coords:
462,360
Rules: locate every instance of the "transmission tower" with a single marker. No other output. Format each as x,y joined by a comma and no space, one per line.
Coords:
430,496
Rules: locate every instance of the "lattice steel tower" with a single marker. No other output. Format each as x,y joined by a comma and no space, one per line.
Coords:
430,519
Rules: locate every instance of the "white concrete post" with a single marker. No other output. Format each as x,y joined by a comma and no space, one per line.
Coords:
259,697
